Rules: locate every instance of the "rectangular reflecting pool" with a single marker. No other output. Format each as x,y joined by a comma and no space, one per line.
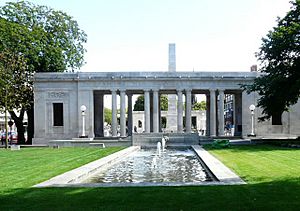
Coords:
150,166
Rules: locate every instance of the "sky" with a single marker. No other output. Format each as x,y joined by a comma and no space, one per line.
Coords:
133,35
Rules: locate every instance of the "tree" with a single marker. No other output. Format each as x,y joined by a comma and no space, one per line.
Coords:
107,115
49,40
16,86
279,54
164,102
16,75
139,103
58,39
199,106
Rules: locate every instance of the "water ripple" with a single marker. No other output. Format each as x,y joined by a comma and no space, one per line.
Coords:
147,166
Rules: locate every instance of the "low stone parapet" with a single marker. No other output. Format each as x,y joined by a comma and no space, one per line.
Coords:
174,139
112,142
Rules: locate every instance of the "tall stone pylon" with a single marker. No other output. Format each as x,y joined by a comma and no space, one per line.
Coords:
172,108
172,57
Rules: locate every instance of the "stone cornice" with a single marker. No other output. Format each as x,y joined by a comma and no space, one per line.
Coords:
133,81
128,76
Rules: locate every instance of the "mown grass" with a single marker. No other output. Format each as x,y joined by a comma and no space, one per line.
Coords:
29,166
262,163
272,173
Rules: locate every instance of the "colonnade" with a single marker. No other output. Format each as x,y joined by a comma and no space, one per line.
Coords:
114,124
72,90
152,111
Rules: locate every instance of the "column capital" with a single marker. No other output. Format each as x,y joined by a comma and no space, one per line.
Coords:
221,90
155,90
122,90
122,93
179,90
212,90
188,90
146,90
113,90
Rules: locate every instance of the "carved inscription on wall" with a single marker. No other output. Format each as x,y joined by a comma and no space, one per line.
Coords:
57,95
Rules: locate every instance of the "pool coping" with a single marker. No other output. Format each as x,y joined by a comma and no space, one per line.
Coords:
78,174
73,178
223,174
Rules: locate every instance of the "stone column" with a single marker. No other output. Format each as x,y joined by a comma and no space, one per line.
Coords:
221,112
129,115
188,113
114,112
179,112
159,115
212,112
155,111
147,111
122,114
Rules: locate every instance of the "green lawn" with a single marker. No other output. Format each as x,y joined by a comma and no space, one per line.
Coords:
29,166
260,164
272,173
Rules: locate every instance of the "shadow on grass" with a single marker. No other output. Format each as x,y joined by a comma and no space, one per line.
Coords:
277,195
251,148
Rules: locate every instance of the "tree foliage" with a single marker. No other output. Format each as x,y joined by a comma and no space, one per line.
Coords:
164,102
49,41
279,54
107,115
56,42
139,103
15,79
199,106
16,87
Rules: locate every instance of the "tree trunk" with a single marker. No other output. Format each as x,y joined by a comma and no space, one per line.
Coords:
18,120
6,130
30,126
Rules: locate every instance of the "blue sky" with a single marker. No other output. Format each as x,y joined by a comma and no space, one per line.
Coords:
133,35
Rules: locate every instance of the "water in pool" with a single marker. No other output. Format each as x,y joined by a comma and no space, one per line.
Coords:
155,167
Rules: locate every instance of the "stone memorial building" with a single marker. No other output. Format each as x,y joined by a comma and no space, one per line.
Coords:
58,98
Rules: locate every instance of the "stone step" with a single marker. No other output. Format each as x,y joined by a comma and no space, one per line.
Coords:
186,139
169,146
86,143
